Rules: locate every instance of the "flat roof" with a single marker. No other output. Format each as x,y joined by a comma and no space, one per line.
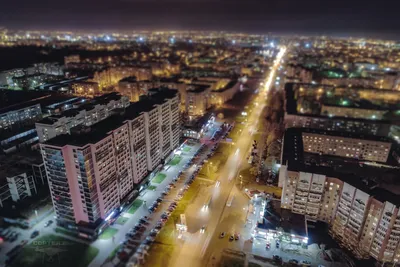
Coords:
18,163
229,85
198,88
98,131
89,105
275,218
17,99
360,174
291,103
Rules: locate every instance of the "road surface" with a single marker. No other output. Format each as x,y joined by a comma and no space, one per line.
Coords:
199,247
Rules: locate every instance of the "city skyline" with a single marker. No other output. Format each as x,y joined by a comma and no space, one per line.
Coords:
283,17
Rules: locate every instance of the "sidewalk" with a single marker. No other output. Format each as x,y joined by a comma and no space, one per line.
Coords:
149,196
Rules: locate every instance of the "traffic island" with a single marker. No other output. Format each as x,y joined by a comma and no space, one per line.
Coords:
108,233
159,178
121,220
135,205
175,160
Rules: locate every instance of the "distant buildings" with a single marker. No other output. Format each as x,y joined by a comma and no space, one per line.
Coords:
85,88
21,176
309,106
32,77
95,169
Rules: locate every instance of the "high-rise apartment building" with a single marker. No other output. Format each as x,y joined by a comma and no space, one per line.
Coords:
346,191
93,170
87,114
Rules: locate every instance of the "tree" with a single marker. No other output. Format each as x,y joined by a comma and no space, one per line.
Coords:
253,171
271,137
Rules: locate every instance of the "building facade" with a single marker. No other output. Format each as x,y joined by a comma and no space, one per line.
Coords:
94,170
363,218
346,147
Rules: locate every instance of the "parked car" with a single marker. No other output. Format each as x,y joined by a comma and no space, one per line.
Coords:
305,263
150,238
237,236
268,245
231,238
48,223
277,258
293,262
34,234
222,235
202,229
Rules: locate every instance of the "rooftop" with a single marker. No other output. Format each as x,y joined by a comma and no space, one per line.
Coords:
89,105
14,100
361,174
315,96
198,88
275,218
82,136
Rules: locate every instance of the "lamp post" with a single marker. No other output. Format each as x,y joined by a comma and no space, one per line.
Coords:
208,168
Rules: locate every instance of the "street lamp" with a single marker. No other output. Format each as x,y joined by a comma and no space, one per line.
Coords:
208,168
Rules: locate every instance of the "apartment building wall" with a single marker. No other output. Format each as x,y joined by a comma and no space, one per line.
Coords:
64,190
8,119
87,89
358,113
175,122
153,142
138,148
90,180
369,127
346,147
123,160
365,225
330,199
197,103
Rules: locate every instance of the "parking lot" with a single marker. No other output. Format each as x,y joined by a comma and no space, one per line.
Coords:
156,210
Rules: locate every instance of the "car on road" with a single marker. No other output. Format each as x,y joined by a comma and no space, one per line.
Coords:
202,229
13,237
143,246
231,238
305,263
217,183
268,245
222,235
293,262
151,238
153,233
48,223
35,234
277,244
277,258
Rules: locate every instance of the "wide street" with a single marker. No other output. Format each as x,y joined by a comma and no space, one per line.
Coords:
199,247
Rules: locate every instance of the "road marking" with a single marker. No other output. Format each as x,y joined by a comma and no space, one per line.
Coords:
203,250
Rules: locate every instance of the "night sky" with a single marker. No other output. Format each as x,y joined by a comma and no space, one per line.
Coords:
372,18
